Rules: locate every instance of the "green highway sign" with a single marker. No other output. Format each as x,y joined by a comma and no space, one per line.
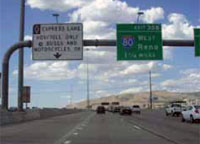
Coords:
139,42
197,41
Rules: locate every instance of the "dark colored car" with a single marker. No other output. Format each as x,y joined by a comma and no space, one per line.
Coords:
12,109
101,109
126,111
116,110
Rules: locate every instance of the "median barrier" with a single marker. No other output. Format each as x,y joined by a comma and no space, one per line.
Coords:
29,115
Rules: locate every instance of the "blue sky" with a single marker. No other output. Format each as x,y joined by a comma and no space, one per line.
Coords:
56,82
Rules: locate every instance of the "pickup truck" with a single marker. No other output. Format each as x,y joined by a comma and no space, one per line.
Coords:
173,109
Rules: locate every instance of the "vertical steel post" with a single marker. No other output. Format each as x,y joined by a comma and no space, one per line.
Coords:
21,58
0,85
71,95
57,19
88,94
139,14
5,80
5,70
150,94
56,15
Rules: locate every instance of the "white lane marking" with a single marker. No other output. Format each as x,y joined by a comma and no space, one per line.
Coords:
79,128
83,125
136,127
70,133
67,142
155,133
75,133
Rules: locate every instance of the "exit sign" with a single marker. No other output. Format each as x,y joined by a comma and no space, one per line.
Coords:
139,42
197,41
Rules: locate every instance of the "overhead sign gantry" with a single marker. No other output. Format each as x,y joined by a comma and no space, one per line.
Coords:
58,53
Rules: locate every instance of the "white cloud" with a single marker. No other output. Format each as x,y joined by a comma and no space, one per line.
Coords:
168,52
98,30
144,68
56,5
189,81
103,10
114,11
153,14
100,17
48,71
166,66
133,90
179,27
155,75
28,37
169,83
138,68
101,93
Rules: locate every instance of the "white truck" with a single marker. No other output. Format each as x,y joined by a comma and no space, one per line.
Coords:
173,109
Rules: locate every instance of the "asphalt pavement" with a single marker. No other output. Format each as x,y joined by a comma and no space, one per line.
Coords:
151,127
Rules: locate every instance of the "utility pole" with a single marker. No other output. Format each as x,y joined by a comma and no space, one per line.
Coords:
150,94
0,86
88,91
71,95
21,58
56,16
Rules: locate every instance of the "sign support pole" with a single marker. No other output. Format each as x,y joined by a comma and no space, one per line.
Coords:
5,70
150,87
21,58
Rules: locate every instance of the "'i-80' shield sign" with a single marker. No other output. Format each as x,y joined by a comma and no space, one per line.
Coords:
128,41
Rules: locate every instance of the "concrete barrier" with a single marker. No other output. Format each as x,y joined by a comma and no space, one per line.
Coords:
29,115
17,117
48,112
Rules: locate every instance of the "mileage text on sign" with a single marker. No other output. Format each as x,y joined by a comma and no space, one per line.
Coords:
139,42
58,41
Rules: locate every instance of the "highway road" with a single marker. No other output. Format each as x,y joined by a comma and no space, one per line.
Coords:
151,127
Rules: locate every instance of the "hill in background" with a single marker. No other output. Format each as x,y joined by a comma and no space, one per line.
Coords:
160,99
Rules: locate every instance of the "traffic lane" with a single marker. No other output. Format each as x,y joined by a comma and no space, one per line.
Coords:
41,131
110,129
159,115
171,127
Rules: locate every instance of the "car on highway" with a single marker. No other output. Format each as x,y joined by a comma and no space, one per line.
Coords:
12,109
125,111
192,113
173,109
136,109
116,109
101,110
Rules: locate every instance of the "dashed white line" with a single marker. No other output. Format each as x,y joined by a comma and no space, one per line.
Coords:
75,133
136,127
67,142
79,128
83,125
63,139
